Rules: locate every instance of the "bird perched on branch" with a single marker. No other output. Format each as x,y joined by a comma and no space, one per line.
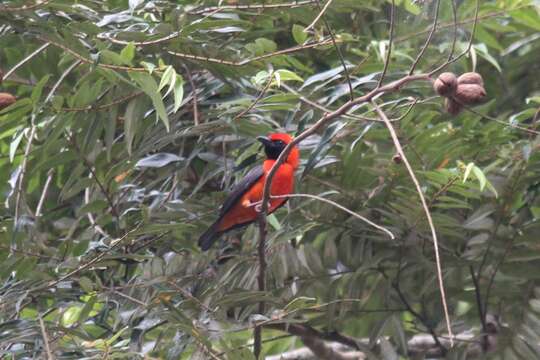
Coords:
240,207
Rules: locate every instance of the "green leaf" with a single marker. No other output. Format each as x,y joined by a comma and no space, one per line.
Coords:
298,34
71,315
147,84
128,53
178,92
467,172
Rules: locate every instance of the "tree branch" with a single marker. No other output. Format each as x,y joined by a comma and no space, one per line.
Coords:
428,216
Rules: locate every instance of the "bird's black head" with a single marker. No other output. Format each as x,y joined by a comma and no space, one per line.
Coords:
272,148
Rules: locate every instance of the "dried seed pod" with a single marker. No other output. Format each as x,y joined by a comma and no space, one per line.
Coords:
6,99
470,78
445,84
470,94
452,107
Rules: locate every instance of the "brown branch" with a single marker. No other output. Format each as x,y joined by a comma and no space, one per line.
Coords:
50,175
428,40
258,98
45,339
463,22
338,50
194,92
25,60
390,41
23,170
90,168
61,79
261,279
469,46
321,13
487,117
333,203
252,6
89,61
428,216
114,244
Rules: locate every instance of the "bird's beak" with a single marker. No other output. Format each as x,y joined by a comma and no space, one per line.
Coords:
264,140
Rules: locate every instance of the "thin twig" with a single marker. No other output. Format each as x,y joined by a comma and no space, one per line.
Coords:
253,59
61,79
114,244
454,37
464,22
338,50
258,98
252,6
428,40
333,203
321,13
390,42
45,339
90,216
89,61
166,38
44,193
261,280
23,171
194,92
478,296
469,46
487,117
428,216
92,171
25,60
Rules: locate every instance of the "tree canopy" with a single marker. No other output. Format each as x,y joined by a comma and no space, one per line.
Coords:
123,124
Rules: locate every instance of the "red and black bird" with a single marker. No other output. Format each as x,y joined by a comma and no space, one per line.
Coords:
238,210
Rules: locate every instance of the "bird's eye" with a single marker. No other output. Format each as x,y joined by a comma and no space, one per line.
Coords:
279,142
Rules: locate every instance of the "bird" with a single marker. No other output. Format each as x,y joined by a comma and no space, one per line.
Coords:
240,208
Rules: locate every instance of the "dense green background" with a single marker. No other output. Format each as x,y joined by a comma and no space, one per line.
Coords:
106,133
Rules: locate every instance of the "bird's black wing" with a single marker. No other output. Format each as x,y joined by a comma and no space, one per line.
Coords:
212,233
240,189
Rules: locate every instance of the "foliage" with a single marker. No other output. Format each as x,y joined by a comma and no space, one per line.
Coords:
138,115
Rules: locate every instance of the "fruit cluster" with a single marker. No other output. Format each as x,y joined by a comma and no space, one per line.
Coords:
467,89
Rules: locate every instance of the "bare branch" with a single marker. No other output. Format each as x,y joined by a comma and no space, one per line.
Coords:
321,13
194,92
25,60
428,40
258,98
338,50
253,6
23,171
50,175
45,339
61,79
428,216
469,46
333,203
390,42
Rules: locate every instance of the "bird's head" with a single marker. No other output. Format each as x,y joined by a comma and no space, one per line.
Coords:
274,145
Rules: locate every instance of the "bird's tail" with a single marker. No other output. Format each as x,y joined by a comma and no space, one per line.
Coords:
209,237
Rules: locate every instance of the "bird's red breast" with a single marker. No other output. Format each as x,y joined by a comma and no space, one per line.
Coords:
282,184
